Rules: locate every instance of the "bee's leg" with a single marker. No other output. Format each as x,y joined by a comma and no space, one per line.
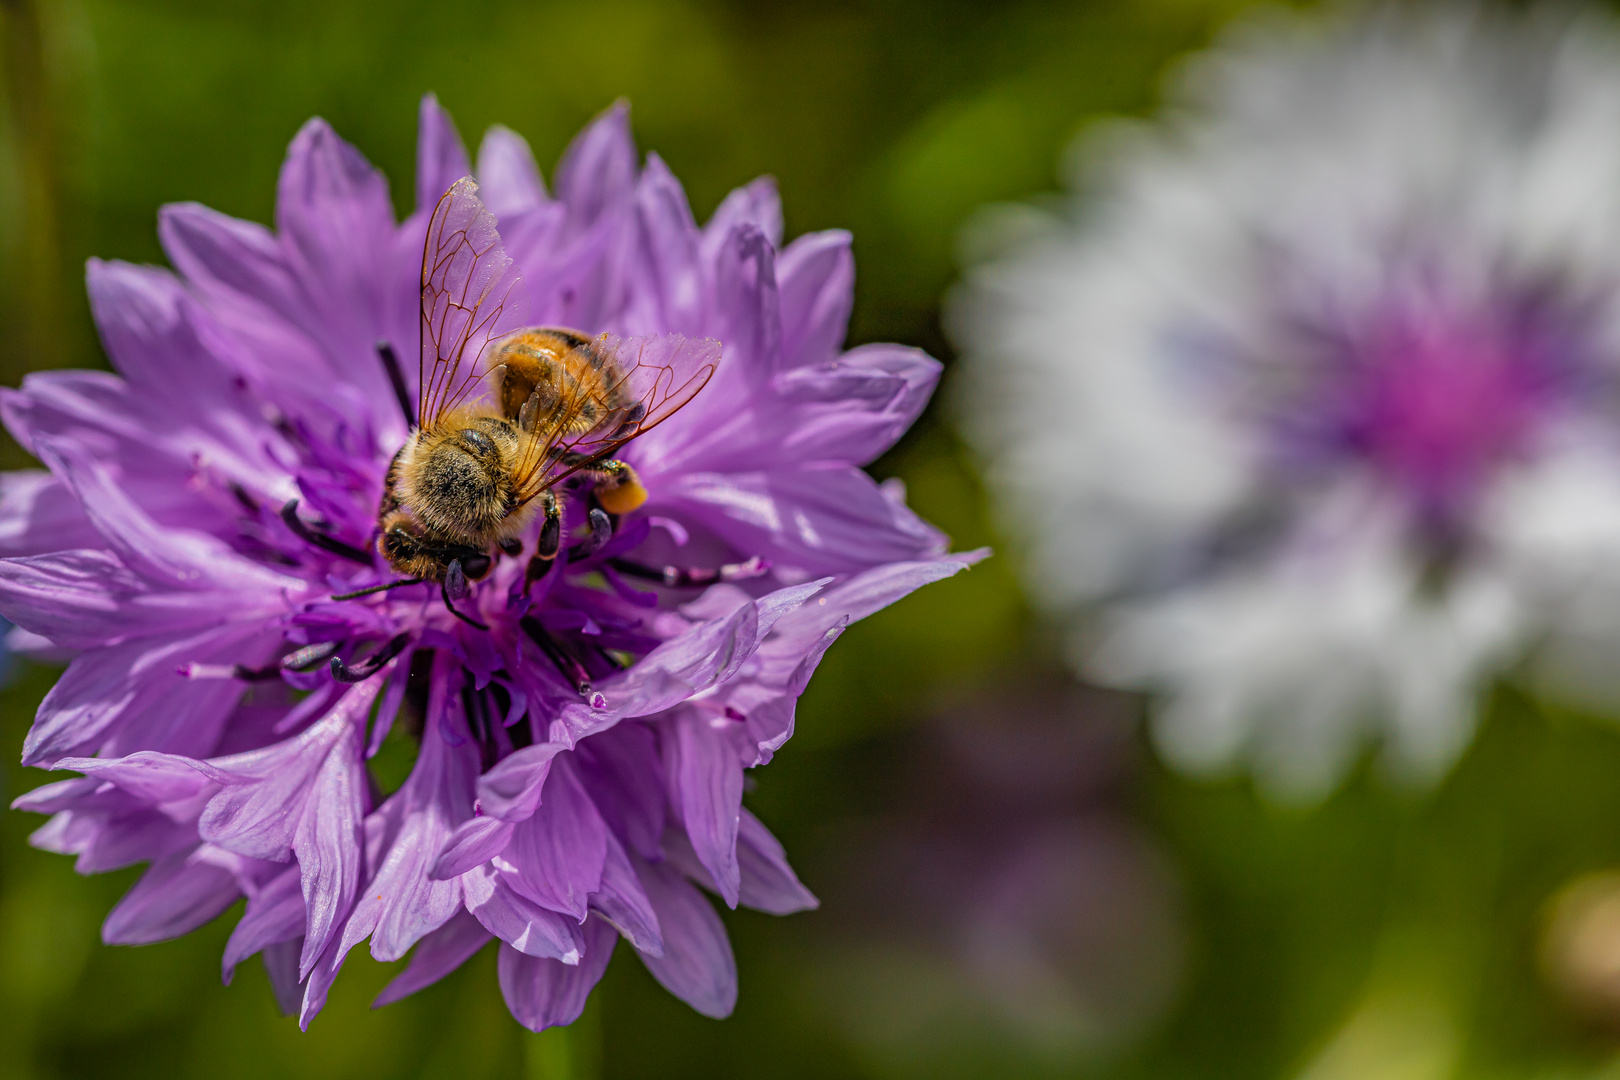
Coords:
513,546
546,548
619,490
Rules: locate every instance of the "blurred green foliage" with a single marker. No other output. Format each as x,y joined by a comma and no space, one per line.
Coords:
1386,934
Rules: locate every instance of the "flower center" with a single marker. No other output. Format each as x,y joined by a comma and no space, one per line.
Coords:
1433,397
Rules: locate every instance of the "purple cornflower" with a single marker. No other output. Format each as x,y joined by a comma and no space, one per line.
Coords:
580,764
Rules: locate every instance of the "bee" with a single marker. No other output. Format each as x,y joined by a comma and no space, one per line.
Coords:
479,469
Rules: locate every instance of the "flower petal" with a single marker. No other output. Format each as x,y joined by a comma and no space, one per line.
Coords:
507,174
441,159
815,278
706,785
557,854
598,170
697,965
768,882
545,993
274,914
518,921
623,902
436,956
174,897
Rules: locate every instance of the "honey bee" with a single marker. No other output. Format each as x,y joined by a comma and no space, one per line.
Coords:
478,469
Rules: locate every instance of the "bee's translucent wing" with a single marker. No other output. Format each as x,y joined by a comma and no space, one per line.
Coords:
577,421
472,296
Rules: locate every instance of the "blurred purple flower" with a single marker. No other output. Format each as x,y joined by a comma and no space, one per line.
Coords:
580,763
1315,401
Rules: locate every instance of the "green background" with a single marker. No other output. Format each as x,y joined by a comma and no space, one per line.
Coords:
1384,934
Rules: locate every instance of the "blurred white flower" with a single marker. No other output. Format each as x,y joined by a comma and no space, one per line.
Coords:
1312,396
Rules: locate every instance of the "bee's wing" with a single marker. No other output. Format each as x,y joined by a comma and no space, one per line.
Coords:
648,380
472,295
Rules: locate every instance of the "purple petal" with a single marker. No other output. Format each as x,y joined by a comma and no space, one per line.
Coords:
507,175
518,921
441,159
826,520
621,766
558,853
511,790
274,914
84,598
281,965
623,902
697,965
174,897
756,205
260,810
746,303
328,843
39,514
598,169
436,956
133,683
473,842
402,903
149,776
815,278
336,225
180,557
670,276
768,882
706,781
545,993
228,260
853,409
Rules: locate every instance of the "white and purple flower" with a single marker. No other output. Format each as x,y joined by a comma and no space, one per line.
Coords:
581,760
1314,403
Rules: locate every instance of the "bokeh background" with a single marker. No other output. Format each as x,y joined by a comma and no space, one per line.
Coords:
1012,885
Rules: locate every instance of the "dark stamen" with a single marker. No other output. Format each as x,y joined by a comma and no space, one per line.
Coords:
310,657
601,533
568,667
378,588
372,664
455,580
245,498
247,674
686,576
444,591
396,379
289,514
475,706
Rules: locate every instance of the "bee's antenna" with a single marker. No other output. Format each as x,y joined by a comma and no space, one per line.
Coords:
379,588
396,379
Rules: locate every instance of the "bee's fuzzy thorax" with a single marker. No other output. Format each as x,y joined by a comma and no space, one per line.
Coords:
455,477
